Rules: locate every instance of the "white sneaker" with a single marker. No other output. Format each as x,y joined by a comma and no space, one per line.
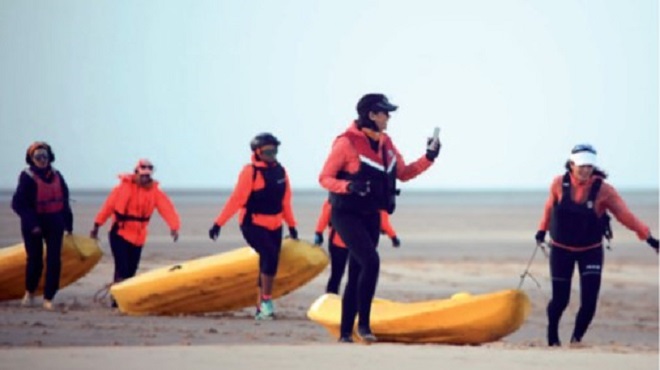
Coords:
28,300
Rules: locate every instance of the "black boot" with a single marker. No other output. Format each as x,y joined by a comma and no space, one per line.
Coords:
345,338
553,338
366,335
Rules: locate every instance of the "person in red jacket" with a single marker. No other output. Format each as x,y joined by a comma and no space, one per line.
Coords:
41,201
360,173
263,197
576,215
131,204
337,247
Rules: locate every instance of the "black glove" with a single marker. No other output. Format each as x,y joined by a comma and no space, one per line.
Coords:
94,233
653,242
396,243
540,236
214,231
432,149
318,238
358,187
293,233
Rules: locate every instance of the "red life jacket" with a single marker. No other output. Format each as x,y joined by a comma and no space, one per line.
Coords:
50,197
376,167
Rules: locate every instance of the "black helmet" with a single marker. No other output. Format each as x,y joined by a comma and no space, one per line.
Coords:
265,138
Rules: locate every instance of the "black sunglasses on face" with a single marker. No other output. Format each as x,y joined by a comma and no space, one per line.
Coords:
146,167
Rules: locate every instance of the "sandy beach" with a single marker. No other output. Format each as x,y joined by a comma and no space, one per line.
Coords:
451,241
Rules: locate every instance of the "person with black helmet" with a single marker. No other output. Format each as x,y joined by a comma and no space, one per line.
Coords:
575,213
262,196
41,201
360,173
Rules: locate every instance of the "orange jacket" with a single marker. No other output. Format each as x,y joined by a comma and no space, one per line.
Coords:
239,197
344,157
130,199
607,200
324,220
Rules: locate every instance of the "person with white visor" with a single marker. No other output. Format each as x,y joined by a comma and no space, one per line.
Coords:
576,214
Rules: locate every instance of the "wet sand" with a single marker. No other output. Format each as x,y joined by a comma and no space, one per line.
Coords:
451,241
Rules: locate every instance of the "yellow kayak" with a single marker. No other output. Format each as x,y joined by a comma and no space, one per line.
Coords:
462,319
79,255
222,282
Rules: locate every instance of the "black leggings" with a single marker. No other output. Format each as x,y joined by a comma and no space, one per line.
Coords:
562,264
360,232
52,231
267,243
126,256
338,259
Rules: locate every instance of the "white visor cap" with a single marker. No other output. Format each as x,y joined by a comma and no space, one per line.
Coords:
584,158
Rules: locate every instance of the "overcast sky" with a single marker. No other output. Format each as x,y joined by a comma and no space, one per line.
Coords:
513,84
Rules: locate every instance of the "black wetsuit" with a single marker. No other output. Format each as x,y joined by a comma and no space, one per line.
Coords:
578,226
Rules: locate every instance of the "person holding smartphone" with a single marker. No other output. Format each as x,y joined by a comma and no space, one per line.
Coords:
360,173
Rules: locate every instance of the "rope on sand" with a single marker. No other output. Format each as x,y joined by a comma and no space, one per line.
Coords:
102,294
529,264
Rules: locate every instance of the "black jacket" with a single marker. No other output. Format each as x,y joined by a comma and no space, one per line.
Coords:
24,201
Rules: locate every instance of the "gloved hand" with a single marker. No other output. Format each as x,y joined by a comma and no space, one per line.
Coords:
396,243
540,236
214,231
293,233
175,235
653,242
358,187
432,149
318,238
94,233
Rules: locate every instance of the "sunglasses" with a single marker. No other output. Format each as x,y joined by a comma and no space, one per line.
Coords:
583,148
269,152
40,157
146,167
